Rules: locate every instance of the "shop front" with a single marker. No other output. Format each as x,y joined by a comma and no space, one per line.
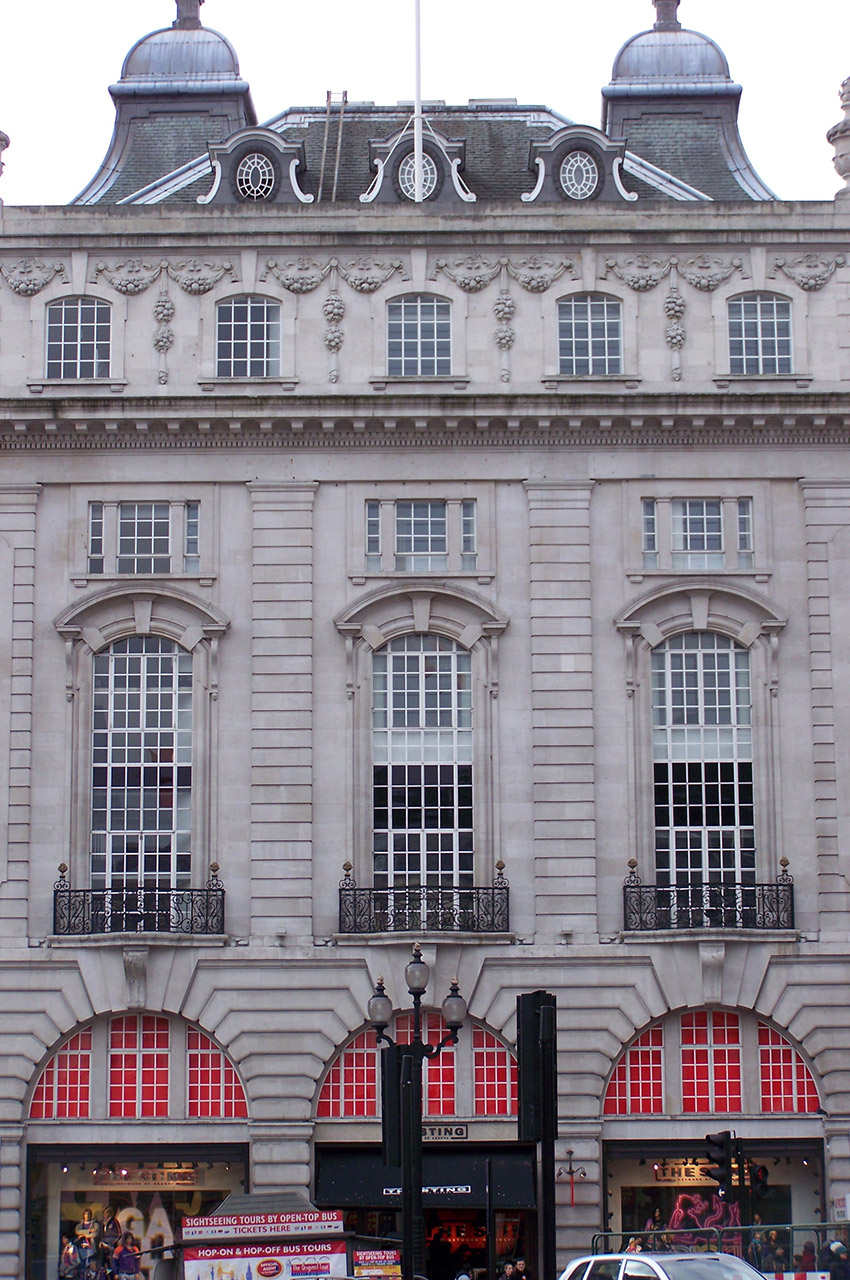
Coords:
149,1190
664,1186
479,1203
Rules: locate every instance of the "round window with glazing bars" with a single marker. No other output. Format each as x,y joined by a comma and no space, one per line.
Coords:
407,176
255,177
579,175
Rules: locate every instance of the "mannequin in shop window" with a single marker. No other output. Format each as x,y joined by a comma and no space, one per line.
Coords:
70,1262
125,1259
88,1234
109,1238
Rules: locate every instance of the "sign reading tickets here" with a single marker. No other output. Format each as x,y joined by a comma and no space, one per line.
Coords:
229,1226
245,1261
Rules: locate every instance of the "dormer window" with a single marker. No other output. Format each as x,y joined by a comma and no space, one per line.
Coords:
255,177
407,176
579,175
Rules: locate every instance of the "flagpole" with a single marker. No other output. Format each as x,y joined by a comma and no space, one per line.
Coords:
417,116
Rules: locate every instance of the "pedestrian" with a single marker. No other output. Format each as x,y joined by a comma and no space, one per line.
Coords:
808,1261
126,1256
70,1262
838,1268
522,1272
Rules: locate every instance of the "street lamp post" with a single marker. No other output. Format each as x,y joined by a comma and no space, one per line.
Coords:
411,1057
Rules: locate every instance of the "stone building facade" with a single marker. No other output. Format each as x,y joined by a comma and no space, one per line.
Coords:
471,572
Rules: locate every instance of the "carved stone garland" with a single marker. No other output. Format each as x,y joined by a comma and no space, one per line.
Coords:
808,271
535,274
363,275
642,273
163,312
29,276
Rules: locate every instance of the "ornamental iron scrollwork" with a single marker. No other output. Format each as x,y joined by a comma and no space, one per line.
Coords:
145,908
740,905
424,907
28,276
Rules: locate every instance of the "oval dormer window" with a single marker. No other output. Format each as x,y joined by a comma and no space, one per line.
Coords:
407,176
579,175
255,177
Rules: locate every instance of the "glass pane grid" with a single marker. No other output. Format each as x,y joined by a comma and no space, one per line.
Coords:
144,537
636,1086
64,1088
78,338
760,334
214,1088
590,335
494,1068
352,1085
248,338
419,339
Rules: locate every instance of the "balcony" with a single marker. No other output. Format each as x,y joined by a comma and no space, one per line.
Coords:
708,906
424,908
142,909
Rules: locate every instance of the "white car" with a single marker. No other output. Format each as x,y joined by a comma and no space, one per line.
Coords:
660,1266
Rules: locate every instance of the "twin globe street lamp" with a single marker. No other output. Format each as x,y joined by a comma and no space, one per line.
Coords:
401,1073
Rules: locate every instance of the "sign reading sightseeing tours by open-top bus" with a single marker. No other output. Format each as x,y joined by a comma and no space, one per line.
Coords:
253,1226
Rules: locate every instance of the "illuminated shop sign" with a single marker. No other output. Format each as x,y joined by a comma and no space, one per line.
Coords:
232,1226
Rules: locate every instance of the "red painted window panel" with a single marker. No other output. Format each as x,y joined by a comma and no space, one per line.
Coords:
64,1087
214,1086
438,1083
494,1071
786,1082
711,1062
351,1086
636,1086
139,1066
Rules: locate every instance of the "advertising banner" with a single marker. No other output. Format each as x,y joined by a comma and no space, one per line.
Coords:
246,1261
373,1264
260,1225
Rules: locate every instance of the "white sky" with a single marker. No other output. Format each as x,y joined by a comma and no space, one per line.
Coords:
60,56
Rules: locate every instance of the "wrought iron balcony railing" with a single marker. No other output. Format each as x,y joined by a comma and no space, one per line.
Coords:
708,906
142,909
424,908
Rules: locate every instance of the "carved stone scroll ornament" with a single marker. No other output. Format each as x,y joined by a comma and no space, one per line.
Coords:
706,273
131,276
536,274
641,272
809,272
366,275
302,276
29,276
470,274
197,277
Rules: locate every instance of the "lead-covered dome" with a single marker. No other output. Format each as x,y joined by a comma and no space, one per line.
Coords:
199,54
659,57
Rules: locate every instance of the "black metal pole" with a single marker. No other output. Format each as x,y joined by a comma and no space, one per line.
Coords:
416,1163
548,1132
408,1171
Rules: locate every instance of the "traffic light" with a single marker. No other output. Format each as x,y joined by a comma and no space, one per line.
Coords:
759,1188
720,1153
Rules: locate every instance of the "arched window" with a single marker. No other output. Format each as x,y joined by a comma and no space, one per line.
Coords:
760,334
590,335
138,1066
636,1086
141,785
248,338
422,771
728,1063
419,336
79,338
352,1086
702,743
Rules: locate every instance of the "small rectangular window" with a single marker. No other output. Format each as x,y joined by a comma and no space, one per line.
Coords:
469,537
78,338
650,535
590,336
745,533
697,533
192,549
248,338
419,337
96,537
421,537
373,537
760,334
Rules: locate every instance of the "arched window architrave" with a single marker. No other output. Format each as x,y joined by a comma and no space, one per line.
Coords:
448,292
668,1029
116,613
391,611
799,302
751,621
97,1029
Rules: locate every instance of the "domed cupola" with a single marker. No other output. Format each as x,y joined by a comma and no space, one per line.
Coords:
180,89
672,98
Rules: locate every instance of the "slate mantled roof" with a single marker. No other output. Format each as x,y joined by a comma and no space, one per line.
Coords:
671,101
